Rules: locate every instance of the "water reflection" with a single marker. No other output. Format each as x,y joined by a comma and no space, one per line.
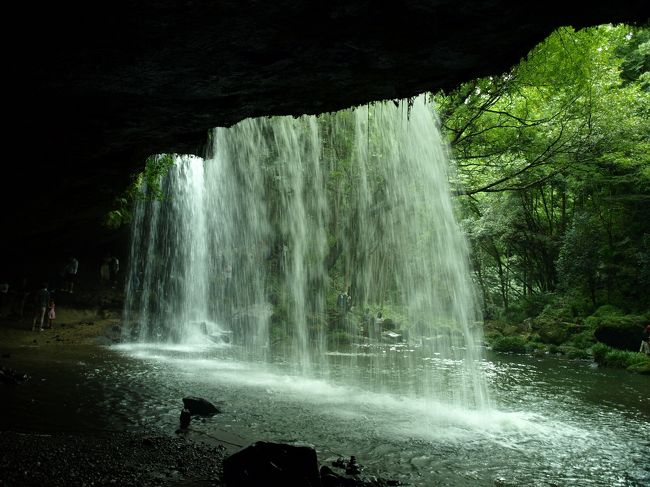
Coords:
555,422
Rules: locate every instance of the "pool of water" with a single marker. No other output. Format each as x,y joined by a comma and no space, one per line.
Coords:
550,421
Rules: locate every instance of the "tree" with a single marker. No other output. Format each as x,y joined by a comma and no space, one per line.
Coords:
553,152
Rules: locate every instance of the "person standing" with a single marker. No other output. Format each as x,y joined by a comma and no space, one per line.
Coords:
71,274
365,322
227,286
42,301
342,303
114,267
105,271
4,296
23,297
378,325
645,341
51,314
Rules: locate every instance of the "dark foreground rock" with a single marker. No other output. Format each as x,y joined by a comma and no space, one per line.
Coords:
293,465
112,459
268,463
200,406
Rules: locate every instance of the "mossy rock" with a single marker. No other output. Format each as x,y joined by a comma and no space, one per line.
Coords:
554,333
606,311
640,368
583,340
619,331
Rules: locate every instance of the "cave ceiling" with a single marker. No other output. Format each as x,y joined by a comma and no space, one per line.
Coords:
93,89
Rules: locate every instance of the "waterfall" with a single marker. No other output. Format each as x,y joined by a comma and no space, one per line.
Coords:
252,245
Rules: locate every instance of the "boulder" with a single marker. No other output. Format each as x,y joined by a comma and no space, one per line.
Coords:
269,463
623,333
200,406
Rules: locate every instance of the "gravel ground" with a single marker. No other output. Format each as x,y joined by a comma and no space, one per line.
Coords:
110,460
105,459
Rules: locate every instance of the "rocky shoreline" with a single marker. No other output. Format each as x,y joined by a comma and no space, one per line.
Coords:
115,459
46,448
35,456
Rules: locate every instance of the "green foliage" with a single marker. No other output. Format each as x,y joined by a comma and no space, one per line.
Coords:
575,353
579,257
528,306
148,184
510,344
583,340
554,167
145,185
636,55
607,311
611,357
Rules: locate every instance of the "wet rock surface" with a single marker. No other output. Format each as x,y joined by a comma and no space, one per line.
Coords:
270,463
119,459
200,406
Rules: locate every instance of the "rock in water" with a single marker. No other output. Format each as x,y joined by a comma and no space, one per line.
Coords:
200,406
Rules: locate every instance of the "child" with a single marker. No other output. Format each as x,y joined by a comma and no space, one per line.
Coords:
51,314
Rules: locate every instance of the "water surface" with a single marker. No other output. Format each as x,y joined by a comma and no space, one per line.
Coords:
553,422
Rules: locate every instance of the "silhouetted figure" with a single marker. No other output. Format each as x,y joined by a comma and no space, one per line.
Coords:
342,304
42,299
21,298
365,321
105,271
4,296
645,341
377,324
114,268
70,274
227,287
51,314
283,250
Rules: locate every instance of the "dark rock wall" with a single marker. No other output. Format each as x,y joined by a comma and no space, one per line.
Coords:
93,89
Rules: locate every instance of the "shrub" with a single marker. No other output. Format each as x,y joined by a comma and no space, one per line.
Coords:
612,357
607,310
575,353
583,340
599,352
512,344
555,324
533,347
